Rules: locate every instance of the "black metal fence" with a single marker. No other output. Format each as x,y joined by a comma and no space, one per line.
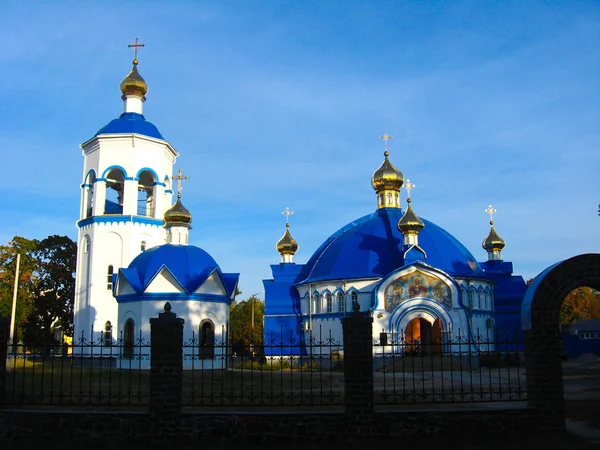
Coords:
115,373
464,368
99,373
278,372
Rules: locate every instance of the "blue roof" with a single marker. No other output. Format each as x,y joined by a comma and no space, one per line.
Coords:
190,265
370,247
130,123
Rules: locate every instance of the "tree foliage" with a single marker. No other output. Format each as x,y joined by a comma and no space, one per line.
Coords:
581,304
246,335
46,286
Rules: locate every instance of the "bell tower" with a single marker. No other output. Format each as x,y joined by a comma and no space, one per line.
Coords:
125,191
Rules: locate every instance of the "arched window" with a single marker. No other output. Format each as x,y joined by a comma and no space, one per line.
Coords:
89,194
128,338
86,244
143,246
328,303
354,298
479,299
146,187
471,299
206,349
109,277
341,302
316,302
115,184
107,334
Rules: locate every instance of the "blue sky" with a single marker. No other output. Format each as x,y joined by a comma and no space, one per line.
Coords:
280,103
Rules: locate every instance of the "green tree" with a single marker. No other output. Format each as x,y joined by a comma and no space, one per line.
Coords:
46,286
56,258
581,304
246,325
27,279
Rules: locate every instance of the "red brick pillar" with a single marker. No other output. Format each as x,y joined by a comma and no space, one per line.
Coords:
166,371
358,367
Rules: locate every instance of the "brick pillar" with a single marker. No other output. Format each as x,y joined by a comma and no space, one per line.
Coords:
166,371
544,376
4,334
358,367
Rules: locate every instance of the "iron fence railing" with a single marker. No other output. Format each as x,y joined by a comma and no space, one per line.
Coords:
463,368
98,373
276,372
108,373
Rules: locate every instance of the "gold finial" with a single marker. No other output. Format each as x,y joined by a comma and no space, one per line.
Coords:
490,210
135,46
179,177
287,213
386,137
408,186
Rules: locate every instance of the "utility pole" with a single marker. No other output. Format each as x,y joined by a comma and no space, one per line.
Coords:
14,303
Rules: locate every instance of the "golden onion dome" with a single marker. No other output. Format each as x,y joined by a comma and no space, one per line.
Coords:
493,241
387,176
178,214
133,83
287,245
410,222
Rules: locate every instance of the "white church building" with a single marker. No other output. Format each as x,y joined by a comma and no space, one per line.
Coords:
133,252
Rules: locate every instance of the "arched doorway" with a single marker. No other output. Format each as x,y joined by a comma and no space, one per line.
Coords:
128,338
423,336
543,343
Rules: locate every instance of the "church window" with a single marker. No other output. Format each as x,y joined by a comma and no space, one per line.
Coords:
86,245
206,349
341,302
146,191
479,295
471,299
354,299
109,278
143,246
107,334
115,184
128,338
328,303
316,303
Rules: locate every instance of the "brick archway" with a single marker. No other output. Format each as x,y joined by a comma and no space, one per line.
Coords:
540,322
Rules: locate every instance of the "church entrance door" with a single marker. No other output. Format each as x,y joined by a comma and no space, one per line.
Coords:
424,337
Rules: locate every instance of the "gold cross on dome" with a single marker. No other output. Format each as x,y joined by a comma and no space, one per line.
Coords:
490,210
408,186
180,177
287,214
386,137
135,46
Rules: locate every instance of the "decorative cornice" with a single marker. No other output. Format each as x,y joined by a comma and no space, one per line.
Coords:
119,219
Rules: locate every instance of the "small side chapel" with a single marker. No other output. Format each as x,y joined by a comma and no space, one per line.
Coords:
133,253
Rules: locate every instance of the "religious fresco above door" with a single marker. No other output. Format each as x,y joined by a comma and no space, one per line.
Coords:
417,284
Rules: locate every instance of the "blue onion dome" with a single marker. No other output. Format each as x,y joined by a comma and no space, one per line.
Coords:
178,215
134,83
387,177
370,247
493,241
410,222
130,122
187,263
287,245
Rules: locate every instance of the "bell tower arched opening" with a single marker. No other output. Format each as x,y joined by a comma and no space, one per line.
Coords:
146,194
88,194
115,183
